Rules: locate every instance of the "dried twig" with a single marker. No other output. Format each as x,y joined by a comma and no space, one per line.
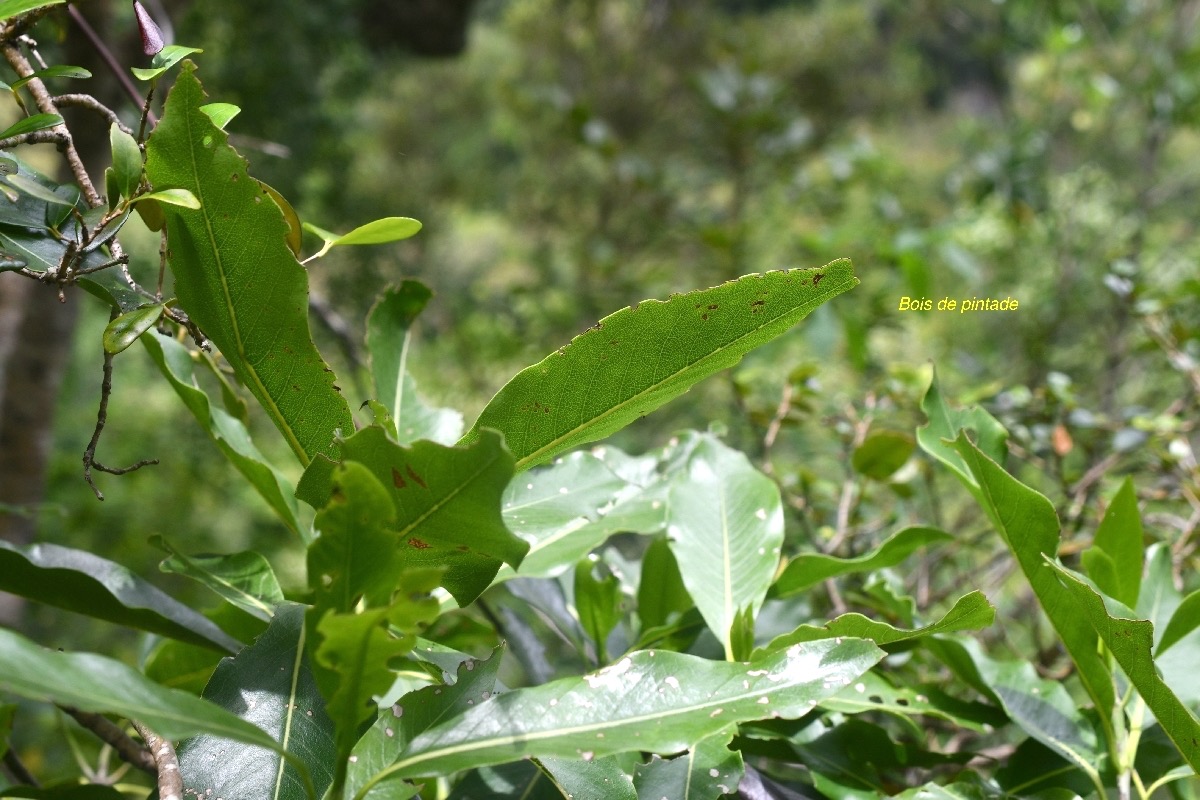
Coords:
170,781
125,747
92,104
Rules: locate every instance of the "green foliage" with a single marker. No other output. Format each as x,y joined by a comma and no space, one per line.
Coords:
797,601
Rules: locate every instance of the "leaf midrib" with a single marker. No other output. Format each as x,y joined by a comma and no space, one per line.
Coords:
550,446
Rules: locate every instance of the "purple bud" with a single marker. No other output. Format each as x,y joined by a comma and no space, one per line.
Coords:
152,36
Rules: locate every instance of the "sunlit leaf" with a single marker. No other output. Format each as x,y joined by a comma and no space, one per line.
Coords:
1115,559
380,231
56,71
221,113
125,329
236,277
808,569
11,8
707,770
163,60
171,197
620,369
36,122
244,579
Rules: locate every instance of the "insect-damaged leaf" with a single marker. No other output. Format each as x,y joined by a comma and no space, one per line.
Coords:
637,359
236,277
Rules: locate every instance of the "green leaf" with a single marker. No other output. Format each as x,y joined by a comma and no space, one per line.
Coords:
357,554
66,791
566,509
227,432
971,612
808,569
882,453
36,122
708,770
220,113
236,277
389,335
126,161
725,528
639,358
244,579
651,701
597,779
95,683
11,8
1027,523
270,686
598,601
56,71
35,189
125,329
1131,642
181,198
1185,620
519,780
447,503
1115,560
163,60
87,584
945,423
418,711
380,231
355,652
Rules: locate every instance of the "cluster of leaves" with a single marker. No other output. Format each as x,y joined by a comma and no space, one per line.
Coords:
697,667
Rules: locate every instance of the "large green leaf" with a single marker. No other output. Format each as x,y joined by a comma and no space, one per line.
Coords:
87,584
945,423
566,509
707,771
873,693
389,336
269,685
1131,642
650,701
11,8
637,359
236,277
95,683
1115,559
971,612
447,502
725,528
227,432
808,569
597,779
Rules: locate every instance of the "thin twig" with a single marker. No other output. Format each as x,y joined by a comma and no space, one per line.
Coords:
33,137
170,780
111,734
89,455
92,104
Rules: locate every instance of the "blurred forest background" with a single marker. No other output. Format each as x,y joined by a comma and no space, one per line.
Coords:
571,157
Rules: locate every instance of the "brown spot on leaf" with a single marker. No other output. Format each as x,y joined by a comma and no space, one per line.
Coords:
420,544
398,479
413,474
817,279
713,307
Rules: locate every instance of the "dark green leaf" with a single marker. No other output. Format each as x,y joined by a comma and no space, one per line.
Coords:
1185,620
1131,642
236,277
661,593
56,71
126,161
244,579
725,528
970,613
520,780
598,602
95,683
87,584
596,779
619,370
447,503
882,453
808,569
227,432
873,693
656,701
270,686
67,791
35,189
125,329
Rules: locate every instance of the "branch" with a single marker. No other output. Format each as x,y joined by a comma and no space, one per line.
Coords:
126,748
170,781
33,137
92,104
